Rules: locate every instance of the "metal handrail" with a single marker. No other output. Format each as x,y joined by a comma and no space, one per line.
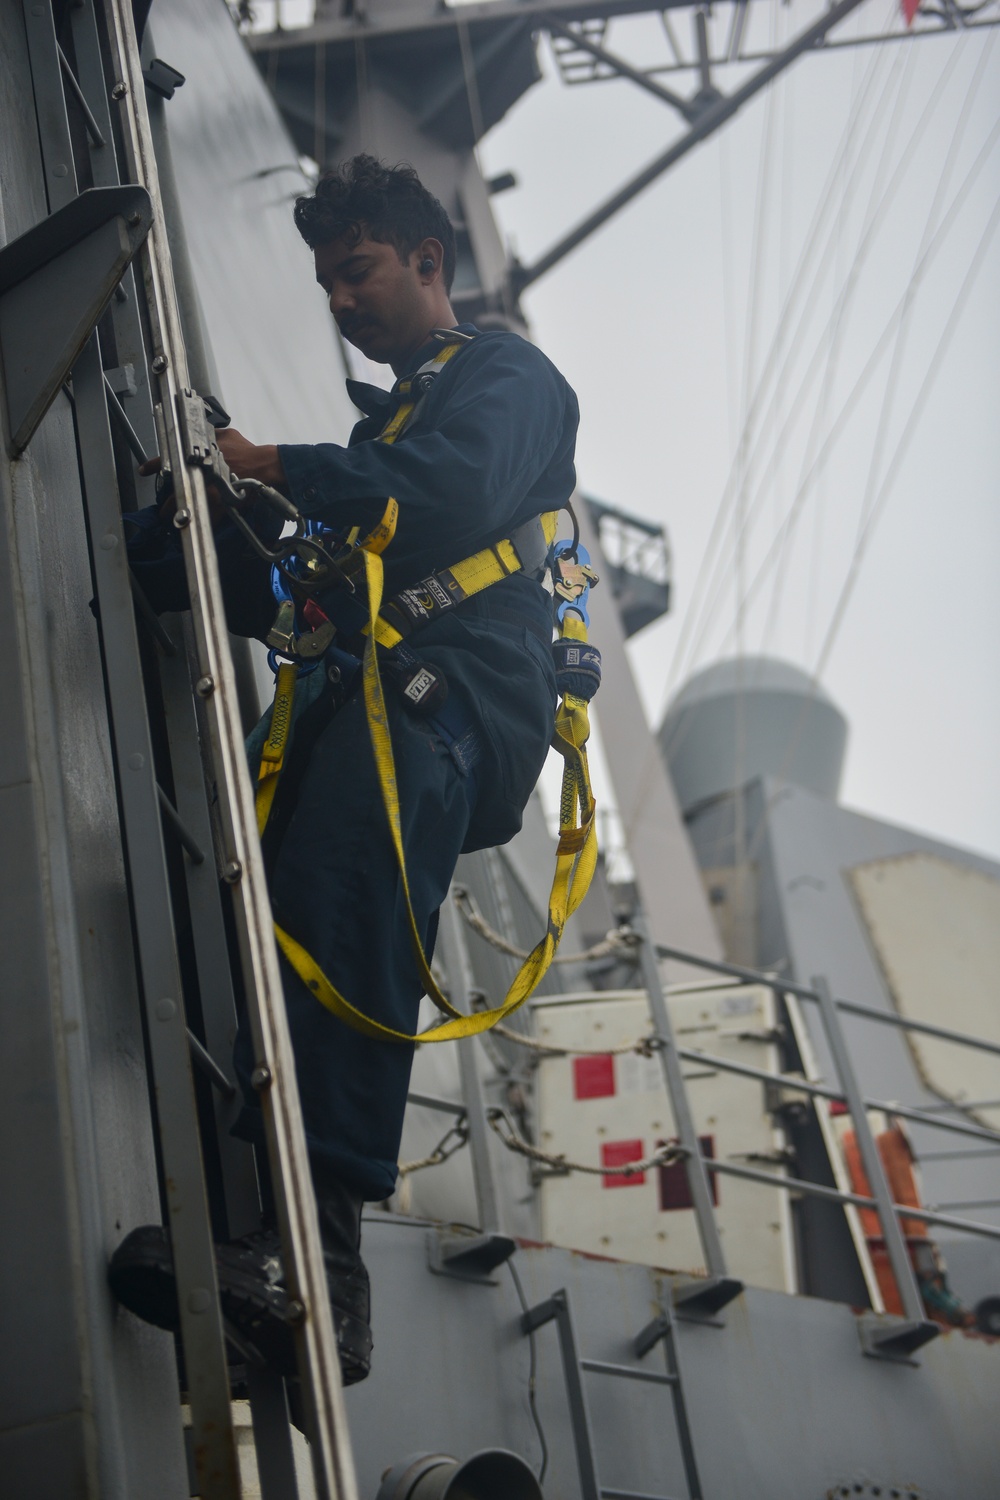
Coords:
834,1195
823,1091
804,992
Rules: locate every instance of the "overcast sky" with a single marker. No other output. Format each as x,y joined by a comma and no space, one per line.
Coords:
651,321
854,168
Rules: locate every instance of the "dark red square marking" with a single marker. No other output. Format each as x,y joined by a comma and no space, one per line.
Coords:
593,1077
616,1154
674,1189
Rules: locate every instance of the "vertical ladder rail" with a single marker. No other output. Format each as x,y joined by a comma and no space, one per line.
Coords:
240,1206
888,1340
661,1330
697,1297
275,1066
200,1318
557,1308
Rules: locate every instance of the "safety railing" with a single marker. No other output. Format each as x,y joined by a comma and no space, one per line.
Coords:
704,1296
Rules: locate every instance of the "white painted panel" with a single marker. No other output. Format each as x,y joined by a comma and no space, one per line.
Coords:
935,929
628,1220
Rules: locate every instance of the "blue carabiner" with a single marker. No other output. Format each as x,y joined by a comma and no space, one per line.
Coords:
571,580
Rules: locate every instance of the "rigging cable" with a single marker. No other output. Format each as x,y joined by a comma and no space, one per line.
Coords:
865,535
910,428
873,361
856,119
834,336
899,347
724,557
825,203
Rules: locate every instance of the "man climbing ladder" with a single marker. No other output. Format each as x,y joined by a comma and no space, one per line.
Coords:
474,446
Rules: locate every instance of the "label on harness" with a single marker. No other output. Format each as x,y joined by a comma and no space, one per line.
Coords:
429,598
420,685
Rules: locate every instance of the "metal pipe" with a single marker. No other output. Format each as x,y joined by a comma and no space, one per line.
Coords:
643,80
93,129
944,1033
834,1195
119,415
186,840
673,1077
431,1101
203,1060
822,1091
150,618
895,1244
627,1372
851,1007
459,971
708,121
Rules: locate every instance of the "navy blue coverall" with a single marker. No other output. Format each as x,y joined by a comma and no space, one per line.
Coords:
492,447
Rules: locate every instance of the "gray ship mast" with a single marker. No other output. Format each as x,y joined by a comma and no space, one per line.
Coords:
124,803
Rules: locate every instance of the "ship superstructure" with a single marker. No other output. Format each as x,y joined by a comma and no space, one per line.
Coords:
649,1239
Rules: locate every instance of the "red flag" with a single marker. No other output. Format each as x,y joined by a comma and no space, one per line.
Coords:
909,9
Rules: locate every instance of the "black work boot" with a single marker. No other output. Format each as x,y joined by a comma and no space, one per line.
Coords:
339,1209
256,1308
255,1302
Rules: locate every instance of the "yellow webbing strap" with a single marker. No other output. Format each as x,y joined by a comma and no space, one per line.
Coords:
472,574
576,857
273,753
576,851
396,425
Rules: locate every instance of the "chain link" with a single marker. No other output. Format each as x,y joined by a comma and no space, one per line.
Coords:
454,1138
503,1126
620,942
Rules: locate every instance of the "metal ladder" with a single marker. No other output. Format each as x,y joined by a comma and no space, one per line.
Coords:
661,1330
172,699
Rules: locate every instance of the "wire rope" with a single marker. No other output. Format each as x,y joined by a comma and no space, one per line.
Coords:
724,558
899,347
864,540
855,123
876,511
681,728
902,446
873,360
835,336
817,227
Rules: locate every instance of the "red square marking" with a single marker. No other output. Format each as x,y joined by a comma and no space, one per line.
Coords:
674,1189
593,1077
616,1154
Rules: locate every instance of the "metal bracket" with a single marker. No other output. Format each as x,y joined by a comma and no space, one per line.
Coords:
55,282
648,1338
698,1301
469,1257
895,1339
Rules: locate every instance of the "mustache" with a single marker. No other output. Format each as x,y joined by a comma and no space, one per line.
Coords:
349,327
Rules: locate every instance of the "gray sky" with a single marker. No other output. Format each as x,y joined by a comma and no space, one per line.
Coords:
651,322
666,319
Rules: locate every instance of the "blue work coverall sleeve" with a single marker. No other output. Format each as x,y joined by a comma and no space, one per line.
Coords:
498,417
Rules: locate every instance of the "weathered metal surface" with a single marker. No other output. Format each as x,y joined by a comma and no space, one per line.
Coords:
781,1402
809,923
935,927
83,1390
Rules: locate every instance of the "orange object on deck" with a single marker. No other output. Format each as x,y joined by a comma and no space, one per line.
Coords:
897,1163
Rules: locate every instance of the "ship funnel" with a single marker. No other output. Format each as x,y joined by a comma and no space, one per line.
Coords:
493,1474
740,719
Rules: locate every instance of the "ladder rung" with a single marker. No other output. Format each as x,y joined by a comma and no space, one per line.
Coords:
607,1494
628,1372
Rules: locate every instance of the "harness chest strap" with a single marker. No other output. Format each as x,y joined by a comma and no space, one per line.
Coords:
576,852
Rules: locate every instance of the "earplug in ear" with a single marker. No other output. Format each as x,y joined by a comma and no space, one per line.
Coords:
426,265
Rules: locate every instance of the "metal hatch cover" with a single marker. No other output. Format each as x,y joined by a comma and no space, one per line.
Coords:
55,282
934,926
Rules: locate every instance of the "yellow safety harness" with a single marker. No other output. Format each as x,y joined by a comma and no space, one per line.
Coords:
576,851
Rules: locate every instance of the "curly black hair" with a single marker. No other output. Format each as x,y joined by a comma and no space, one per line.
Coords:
363,197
